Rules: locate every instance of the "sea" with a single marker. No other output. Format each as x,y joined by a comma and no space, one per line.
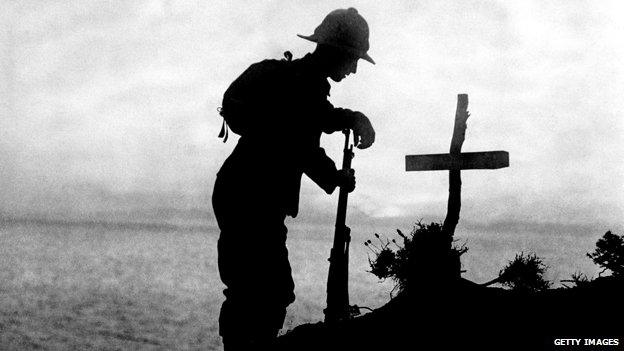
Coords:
107,285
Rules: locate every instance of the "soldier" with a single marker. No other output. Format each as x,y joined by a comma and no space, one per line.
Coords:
280,109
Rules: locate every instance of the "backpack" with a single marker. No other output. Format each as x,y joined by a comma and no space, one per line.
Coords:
248,94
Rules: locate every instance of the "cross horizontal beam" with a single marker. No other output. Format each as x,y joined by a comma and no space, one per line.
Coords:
465,160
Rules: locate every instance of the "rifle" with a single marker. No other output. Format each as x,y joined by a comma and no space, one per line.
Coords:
337,281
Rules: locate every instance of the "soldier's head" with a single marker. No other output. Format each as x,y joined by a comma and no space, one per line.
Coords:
342,39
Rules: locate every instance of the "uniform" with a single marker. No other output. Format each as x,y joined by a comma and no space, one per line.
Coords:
258,186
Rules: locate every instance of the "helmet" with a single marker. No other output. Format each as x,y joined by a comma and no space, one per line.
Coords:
345,29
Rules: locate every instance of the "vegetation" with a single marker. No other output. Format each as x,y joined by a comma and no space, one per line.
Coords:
609,254
524,274
425,256
428,253
578,279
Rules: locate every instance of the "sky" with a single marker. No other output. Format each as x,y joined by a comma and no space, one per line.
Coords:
110,107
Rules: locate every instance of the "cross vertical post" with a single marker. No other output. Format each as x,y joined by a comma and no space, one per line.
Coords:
455,161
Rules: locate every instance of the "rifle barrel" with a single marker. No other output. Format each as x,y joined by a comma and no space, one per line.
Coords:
337,281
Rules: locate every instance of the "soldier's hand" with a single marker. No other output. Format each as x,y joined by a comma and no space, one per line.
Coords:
363,132
346,179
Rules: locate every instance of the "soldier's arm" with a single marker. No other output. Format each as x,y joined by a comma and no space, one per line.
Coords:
336,119
321,169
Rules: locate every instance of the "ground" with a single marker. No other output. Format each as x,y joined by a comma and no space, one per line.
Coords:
464,315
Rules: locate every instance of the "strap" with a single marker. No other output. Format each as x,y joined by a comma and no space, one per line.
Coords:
224,128
224,131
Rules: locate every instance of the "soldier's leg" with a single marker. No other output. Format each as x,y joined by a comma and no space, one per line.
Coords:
259,288
253,264
247,328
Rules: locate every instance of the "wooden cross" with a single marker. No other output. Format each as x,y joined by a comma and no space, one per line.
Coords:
455,161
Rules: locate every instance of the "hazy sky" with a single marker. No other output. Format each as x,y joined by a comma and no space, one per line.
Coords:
109,105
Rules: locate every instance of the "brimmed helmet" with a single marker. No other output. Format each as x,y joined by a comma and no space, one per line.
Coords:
344,29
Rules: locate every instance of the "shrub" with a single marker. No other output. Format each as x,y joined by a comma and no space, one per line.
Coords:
524,274
579,279
425,256
609,254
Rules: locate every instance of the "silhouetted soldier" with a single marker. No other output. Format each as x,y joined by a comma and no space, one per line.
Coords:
280,109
